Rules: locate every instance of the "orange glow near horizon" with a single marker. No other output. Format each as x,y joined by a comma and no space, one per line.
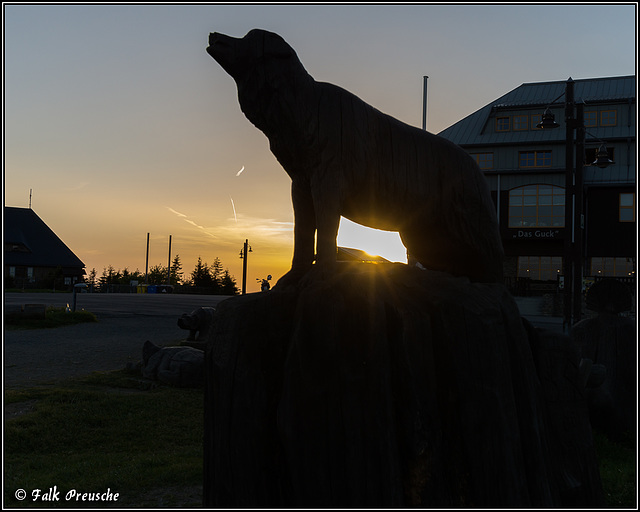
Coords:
272,248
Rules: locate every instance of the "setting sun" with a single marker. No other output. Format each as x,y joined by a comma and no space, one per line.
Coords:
373,241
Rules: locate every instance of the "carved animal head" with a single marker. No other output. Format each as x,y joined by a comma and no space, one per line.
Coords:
243,56
262,65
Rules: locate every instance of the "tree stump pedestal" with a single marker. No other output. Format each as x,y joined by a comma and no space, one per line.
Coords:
390,386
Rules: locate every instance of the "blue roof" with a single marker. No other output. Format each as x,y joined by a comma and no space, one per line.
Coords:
29,242
538,95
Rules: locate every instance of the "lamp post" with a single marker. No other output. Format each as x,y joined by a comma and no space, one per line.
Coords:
574,199
244,252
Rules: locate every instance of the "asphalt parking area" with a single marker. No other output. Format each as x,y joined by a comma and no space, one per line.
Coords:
125,322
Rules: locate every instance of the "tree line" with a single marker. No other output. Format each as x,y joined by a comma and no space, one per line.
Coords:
214,278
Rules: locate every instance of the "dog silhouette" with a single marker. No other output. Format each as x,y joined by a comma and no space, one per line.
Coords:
346,158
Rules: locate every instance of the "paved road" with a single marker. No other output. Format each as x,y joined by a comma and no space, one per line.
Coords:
125,322
106,305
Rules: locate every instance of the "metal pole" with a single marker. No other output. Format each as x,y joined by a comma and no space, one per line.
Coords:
424,102
169,264
411,261
146,265
578,247
245,252
498,188
568,209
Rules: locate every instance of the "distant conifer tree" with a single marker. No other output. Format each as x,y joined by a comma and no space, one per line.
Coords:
175,273
228,284
201,276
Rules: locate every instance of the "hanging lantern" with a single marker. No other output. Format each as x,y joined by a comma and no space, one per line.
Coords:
602,158
548,120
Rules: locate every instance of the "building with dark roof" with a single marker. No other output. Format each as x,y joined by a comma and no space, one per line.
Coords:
34,256
526,170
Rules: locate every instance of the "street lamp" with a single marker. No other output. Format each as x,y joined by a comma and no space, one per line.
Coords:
574,193
602,157
548,120
244,253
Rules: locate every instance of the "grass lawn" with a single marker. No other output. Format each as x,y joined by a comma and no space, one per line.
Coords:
617,470
117,432
52,317
105,432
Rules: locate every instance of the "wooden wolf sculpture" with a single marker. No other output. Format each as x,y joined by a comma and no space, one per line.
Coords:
347,158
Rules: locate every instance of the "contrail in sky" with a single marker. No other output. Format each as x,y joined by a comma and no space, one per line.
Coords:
184,218
234,206
240,171
177,213
194,224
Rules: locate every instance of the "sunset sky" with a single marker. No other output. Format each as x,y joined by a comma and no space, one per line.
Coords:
122,124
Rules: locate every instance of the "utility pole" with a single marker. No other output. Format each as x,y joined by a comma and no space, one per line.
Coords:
574,249
578,255
424,102
169,264
146,265
569,207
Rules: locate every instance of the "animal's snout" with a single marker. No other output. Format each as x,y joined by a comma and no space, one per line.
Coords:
218,39
227,52
216,44
213,38
221,47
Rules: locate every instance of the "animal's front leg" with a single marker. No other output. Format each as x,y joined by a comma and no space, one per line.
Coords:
304,231
328,221
327,247
304,228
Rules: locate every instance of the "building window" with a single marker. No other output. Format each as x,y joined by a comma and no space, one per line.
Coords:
30,274
608,118
484,160
613,267
534,159
627,210
520,122
502,124
536,206
540,268
12,271
591,119
535,120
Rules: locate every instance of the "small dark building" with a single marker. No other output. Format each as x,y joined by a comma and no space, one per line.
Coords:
525,167
34,256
